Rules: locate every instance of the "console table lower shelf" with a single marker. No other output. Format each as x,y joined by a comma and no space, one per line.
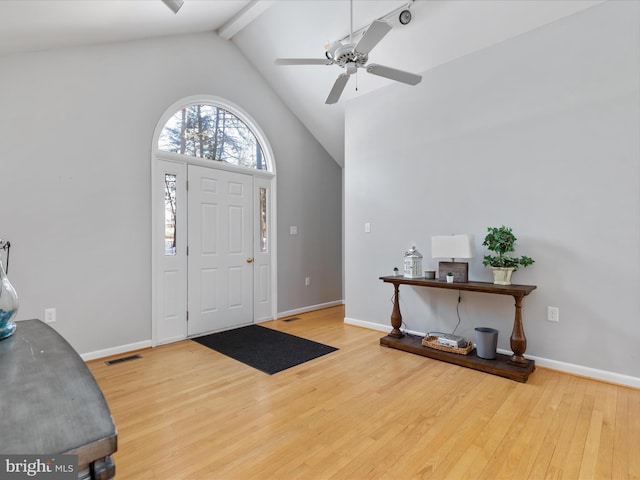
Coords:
501,366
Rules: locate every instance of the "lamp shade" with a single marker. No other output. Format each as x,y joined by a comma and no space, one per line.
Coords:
451,246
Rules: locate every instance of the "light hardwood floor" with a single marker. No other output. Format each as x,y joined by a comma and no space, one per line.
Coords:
184,411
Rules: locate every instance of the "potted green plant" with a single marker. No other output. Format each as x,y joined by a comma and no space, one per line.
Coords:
449,277
501,240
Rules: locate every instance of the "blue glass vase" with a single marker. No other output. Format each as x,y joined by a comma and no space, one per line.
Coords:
8,305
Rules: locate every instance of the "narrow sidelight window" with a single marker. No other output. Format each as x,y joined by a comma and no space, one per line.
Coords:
263,220
169,214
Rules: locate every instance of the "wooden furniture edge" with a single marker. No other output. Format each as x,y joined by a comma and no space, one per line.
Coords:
482,287
501,366
96,450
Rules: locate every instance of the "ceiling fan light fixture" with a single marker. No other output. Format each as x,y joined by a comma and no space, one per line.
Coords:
405,17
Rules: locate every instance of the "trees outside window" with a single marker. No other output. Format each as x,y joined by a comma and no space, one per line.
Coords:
208,131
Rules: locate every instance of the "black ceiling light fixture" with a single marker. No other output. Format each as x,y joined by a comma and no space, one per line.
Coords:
405,17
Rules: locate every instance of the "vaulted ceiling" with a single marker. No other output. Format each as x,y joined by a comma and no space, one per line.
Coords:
440,31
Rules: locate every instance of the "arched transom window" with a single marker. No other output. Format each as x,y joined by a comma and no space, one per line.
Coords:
213,133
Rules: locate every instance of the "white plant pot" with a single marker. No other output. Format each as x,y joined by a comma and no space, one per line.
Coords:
449,278
502,276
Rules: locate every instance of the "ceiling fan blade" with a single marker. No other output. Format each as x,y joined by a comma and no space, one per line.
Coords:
376,32
338,87
303,61
394,74
174,5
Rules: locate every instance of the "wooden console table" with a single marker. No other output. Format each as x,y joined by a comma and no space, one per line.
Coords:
515,367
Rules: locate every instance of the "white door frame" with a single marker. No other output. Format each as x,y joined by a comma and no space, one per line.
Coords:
264,308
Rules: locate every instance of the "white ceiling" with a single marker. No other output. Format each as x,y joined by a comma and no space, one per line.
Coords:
441,30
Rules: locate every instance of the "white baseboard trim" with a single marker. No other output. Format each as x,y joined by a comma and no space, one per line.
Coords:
148,343
107,352
310,308
369,325
579,370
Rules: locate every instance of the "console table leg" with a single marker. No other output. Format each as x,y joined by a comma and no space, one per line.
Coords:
396,316
518,339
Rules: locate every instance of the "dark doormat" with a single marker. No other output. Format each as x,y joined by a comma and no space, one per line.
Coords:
268,350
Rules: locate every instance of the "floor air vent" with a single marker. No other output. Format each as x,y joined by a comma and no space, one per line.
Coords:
123,359
292,319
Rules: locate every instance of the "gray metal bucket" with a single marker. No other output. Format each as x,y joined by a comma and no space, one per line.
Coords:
486,342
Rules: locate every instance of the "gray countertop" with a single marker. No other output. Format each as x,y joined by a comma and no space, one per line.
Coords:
49,401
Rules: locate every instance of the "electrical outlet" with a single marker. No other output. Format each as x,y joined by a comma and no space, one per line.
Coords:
553,314
49,315
307,281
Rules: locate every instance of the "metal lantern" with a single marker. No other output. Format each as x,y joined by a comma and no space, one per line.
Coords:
413,263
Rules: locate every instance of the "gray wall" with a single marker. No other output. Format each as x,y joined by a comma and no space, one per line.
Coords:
76,130
540,133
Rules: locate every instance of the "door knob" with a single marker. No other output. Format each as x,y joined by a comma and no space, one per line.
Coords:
249,260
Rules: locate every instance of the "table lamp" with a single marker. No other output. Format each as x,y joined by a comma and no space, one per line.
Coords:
452,246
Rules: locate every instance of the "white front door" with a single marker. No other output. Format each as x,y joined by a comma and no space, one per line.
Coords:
220,257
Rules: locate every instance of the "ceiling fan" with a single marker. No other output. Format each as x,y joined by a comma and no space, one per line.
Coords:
352,56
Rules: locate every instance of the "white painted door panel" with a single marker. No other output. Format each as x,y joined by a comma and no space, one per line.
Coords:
263,240
170,261
220,261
